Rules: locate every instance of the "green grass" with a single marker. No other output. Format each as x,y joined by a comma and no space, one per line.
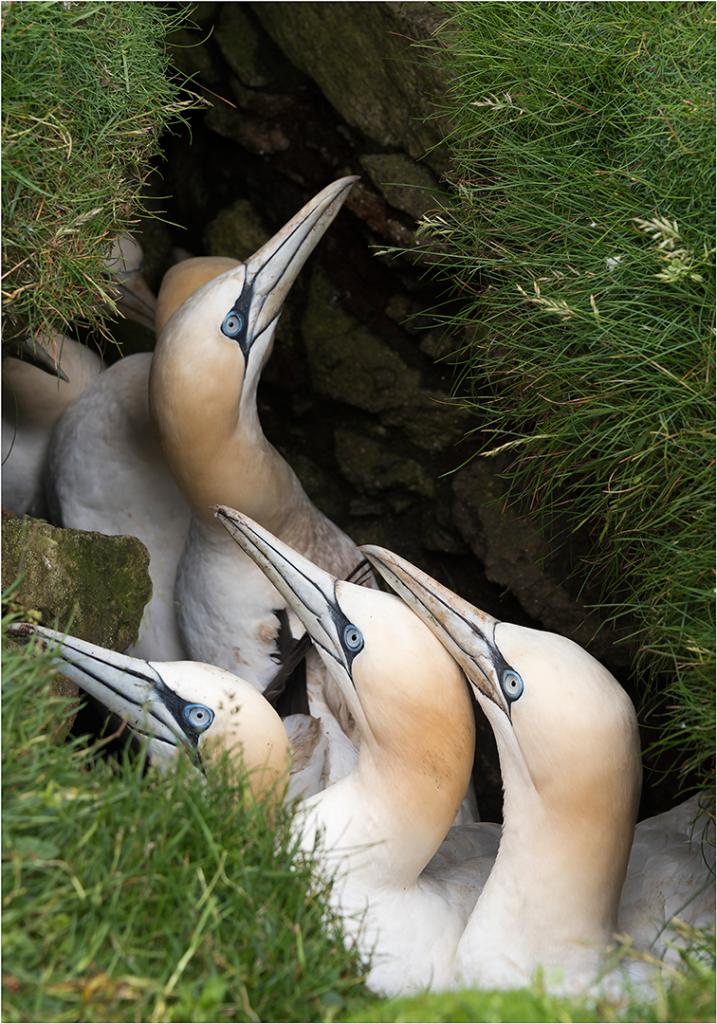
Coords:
579,236
86,95
691,998
131,897
134,896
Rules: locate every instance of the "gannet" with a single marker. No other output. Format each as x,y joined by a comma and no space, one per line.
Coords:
178,706
135,300
378,827
110,475
570,758
33,400
107,472
49,375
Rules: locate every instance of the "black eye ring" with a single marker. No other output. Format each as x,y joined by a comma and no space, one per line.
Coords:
511,684
233,324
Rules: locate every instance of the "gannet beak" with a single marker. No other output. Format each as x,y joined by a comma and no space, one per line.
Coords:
309,591
132,689
272,270
466,632
134,300
30,350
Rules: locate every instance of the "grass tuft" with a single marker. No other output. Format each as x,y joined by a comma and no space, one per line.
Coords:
579,235
86,95
133,896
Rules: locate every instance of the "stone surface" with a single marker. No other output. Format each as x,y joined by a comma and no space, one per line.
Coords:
237,232
406,185
361,58
94,586
243,46
431,421
517,555
373,465
348,363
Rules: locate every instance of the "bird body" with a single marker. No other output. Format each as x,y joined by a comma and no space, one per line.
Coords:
377,829
670,875
33,402
570,758
107,474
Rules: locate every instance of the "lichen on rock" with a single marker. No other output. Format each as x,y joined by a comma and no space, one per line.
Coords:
406,185
371,465
236,231
361,58
347,362
93,585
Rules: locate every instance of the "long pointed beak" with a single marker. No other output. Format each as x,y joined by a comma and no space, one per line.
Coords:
309,591
134,299
44,354
132,689
466,632
272,270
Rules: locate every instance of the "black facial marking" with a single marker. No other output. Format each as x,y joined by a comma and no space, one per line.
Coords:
241,309
497,659
169,698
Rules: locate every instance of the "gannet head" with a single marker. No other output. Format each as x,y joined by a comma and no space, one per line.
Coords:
179,705
185,278
405,692
211,351
565,727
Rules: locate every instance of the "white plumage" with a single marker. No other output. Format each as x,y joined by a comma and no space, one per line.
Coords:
570,759
116,457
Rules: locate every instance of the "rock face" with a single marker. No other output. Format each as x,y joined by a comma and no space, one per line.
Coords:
363,63
357,394
92,585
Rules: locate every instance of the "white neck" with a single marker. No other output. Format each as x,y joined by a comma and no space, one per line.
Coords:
381,823
552,897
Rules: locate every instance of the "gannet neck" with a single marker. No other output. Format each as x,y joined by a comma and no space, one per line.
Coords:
210,431
552,897
414,762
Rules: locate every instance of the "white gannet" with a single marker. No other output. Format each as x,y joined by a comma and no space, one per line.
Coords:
51,373
34,397
134,298
378,827
109,474
570,757
176,706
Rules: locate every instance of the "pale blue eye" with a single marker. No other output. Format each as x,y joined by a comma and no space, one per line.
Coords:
512,684
198,716
233,324
353,638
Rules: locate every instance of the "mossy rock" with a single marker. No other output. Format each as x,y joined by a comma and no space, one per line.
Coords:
347,362
92,585
236,232
363,61
373,466
248,51
406,185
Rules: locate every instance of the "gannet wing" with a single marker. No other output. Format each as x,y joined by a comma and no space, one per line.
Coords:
671,874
